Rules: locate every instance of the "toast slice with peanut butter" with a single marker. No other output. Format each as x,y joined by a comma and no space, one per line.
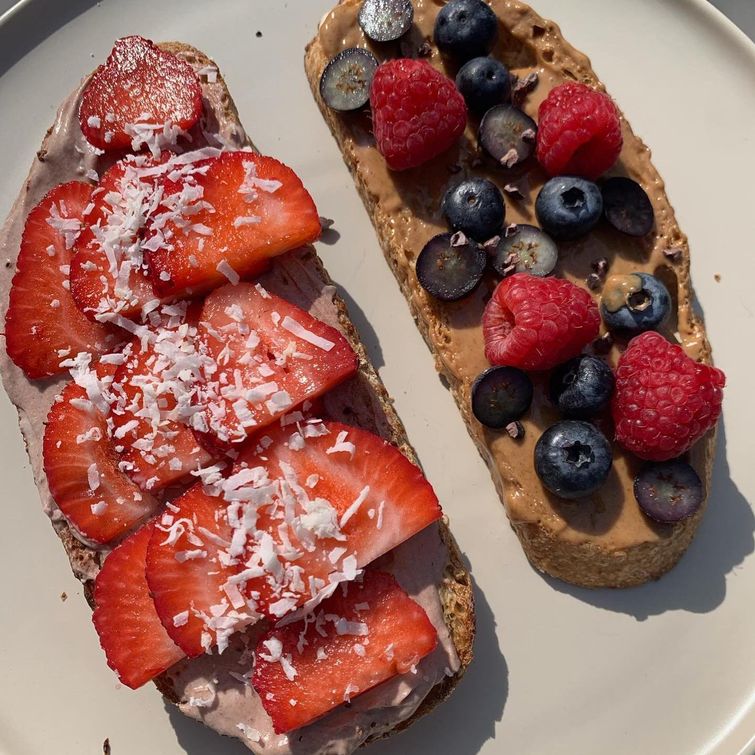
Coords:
604,539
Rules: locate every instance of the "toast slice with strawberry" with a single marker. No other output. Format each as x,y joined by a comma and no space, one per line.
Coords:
535,113
318,330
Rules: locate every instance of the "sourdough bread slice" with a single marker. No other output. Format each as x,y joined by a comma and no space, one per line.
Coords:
300,277
603,540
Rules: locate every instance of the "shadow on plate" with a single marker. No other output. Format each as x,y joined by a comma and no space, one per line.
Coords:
462,723
366,332
197,739
698,583
33,23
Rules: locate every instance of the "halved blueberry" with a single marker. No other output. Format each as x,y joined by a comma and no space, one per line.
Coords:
668,491
572,458
582,387
507,134
634,303
475,207
501,395
568,207
527,250
465,29
345,82
386,20
449,267
484,82
626,206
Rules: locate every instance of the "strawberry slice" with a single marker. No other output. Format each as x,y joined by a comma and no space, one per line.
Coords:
357,497
136,644
82,466
225,220
188,568
157,384
43,326
139,95
271,356
302,512
351,644
108,274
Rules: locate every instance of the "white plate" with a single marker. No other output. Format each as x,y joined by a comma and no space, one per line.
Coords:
666,668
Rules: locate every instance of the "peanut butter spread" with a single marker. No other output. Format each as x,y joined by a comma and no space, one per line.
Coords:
407,211
213,688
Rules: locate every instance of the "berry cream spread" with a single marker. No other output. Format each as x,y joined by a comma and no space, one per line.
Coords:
216,688
408,211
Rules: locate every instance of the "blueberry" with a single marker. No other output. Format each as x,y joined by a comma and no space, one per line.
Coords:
483,82
501,395
465,29
449,267
386,20
568,207
581,387
345,82
668,491
572,458
507,135
634,303
527,250
626,206
475,207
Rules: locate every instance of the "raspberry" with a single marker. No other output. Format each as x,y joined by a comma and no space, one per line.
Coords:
536,323
578,132
417,113
664,400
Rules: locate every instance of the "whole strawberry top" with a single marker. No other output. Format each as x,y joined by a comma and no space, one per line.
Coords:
579,131
664,400
417,112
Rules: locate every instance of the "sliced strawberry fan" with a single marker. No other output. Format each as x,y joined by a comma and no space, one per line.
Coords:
301,512
188,572
225,221
156,387
108,271
271,357
82,468
135,643
43,326
356,639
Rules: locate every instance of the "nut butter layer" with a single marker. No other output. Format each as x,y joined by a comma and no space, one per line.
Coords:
604,540
428,567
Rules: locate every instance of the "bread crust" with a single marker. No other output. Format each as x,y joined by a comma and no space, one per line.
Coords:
587,563
456,590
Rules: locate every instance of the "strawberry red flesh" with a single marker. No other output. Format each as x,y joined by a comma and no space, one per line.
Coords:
225,220
376,496
108,274
82,470
43,327
352,643
135,643
187,571
156,387
272,356
139,85
297,516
